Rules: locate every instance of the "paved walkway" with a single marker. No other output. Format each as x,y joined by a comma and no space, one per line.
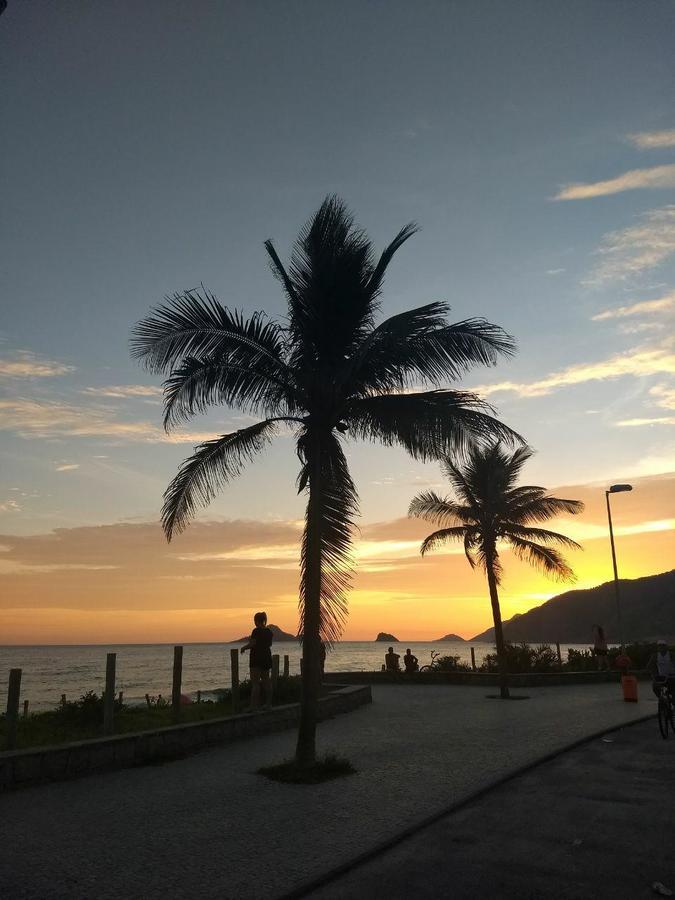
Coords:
201,827
592,823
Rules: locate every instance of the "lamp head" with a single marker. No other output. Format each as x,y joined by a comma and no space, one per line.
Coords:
618,488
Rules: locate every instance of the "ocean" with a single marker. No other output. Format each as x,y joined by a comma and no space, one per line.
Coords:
50,671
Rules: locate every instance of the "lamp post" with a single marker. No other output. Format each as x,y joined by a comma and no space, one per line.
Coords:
616,489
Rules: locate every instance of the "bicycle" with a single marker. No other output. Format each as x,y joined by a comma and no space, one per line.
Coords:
666,711
432,665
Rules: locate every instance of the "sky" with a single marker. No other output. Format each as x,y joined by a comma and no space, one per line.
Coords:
152,147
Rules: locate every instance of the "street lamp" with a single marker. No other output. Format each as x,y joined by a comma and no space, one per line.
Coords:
616,489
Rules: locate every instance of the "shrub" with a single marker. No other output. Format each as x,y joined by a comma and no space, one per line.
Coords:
524,658
450,664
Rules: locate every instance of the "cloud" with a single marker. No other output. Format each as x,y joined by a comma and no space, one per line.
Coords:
665,394
25,364
636,249
656,177
66,467
9,506
124,390
635,423
41,418
555,271
651,140
638,362
646,307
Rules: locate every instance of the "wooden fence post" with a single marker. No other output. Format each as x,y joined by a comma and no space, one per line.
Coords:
63,699
557,647
109,695
275,677
199,696
473,659
120,698
234,672
287,665
177,681
25,709
13,694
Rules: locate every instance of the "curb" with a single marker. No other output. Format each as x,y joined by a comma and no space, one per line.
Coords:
308,887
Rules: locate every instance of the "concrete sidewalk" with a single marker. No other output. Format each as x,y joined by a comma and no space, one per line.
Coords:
200,827
598,821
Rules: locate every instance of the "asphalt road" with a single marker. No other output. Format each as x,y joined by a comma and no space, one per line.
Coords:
597,821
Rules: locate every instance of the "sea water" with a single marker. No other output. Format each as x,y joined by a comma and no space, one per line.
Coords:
50,671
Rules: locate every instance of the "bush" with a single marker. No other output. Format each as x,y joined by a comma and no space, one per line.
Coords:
450,664
524,658
86,711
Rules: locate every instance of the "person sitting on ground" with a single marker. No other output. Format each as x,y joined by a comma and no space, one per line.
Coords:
661,667
391,660
260,660
410,662
600,648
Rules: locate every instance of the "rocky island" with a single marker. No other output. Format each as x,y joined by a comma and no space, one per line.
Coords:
383,636
451,637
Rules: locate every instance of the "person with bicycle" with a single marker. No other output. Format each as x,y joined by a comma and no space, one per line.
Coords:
661,667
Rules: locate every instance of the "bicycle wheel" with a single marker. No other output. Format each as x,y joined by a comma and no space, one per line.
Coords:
426,668
664,715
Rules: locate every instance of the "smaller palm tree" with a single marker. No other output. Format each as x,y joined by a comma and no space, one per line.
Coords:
490,510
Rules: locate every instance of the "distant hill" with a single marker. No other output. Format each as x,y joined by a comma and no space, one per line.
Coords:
279,635
450,637
647,608
383,636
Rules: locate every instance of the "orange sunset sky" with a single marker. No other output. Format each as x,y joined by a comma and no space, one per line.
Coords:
123,583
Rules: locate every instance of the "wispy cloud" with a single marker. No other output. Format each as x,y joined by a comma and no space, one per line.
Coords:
66,467
646,307
639,362
636,423
24,364
637,248
9,506
665,395
40,418
655,177
555,271
119,391
652,140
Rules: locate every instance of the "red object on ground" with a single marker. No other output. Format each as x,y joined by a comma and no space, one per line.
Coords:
184,699
629,688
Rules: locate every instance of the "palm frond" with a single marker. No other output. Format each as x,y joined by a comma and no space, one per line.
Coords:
377,276
443,536
509,529
198,383
419,345
439,510
337,499
543,508
212,464
546,559
194,323
331,308
428,424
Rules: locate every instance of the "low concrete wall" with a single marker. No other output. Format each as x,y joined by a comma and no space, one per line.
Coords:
487,679
40,764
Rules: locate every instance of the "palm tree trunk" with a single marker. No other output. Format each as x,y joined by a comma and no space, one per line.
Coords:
499,634
305,753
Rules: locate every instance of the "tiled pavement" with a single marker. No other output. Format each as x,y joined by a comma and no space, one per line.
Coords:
207,826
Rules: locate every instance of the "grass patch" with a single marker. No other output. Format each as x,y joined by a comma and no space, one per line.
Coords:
326,769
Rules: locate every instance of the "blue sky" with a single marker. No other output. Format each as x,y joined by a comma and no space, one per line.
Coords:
152,146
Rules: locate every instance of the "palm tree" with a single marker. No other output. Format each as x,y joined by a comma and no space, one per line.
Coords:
490,509
327,373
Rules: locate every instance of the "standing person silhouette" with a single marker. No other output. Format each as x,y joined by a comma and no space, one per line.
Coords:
260,660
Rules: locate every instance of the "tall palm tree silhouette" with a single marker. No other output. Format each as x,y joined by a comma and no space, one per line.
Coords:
328,373
490,508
